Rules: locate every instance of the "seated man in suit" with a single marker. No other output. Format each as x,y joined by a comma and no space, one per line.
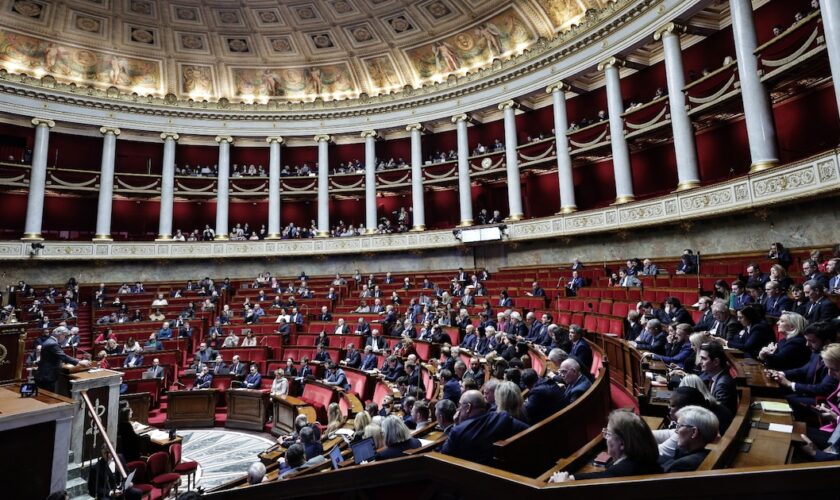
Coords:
165,332
707,319
536,290
477,429
715,368
544,396
219,366
369,360
376,342
237,369
321,356
253,380
812,380
776,302
155,371
325,314
353,359
580,349
341,328
696,428
204,380
395,369
133,360
575,383
362,328
285,330
204,355
153,343
652,338
336,377
305,371
819,307
451,387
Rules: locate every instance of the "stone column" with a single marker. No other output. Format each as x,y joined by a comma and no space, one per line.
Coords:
620,152
323,185
106,184
370,180
37,180
167,186
512,162
417,203
223,188
687,170
561,145
758,114
464,187
274,231
830,12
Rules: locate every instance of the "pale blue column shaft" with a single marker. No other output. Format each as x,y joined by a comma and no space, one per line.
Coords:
323,187
687,171
106,184
561,141
167,187
512,160
464,187
370,183
274,188
620,151
417,203
37,180
223,189
830,11
758,114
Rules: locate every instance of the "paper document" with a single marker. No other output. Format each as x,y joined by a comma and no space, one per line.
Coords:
786,429
776,407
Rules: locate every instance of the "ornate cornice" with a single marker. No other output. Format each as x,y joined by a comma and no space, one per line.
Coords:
596,27
170,135
277,139
41,121
818,176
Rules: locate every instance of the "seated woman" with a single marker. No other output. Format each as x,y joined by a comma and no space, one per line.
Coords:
723,414
280,385
791,351
397,437
335,420
630,445
756,333
361,421
823,444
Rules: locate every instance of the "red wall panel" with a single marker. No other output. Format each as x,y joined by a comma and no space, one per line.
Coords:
139,157
396,149
75,151
193,155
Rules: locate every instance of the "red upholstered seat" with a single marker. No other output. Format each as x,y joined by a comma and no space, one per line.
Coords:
160,473
358,383
182,468
139,469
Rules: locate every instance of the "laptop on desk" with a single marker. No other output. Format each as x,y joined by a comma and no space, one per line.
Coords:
335,457
363,451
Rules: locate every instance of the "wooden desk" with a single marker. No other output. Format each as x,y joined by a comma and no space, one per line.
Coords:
286,409
246,409
755,378
191,408
35,433
12,340
139,404
768,447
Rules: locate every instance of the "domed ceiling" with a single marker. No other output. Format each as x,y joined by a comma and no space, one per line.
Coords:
257,50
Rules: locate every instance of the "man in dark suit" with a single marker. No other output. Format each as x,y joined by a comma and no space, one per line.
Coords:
285,330
52,357
575,383
376,342
336,377
341,327
755,278
133,360
325,314
204,380
451,387
369,361
353,359
395,369
715,368
819,307
811,380
634,326
321,355
237,369
726,326
776,302
580,349
362,328
811,271
477,429
204,355
155,371
536,291
412,376
253,380
305,371
544,396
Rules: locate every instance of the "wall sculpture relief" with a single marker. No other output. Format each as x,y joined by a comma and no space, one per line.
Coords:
294,82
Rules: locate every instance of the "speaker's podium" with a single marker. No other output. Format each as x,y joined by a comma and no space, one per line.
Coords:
103,390
35,433
246,409
191,408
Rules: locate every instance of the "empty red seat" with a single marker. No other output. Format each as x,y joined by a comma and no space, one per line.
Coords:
181,468
160,475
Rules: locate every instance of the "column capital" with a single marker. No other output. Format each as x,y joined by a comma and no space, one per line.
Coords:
669,29
508,104
558,87
43,121
612,62
277,139
414,126
322,138
224,138
370,133
463,117
109,130
170,135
